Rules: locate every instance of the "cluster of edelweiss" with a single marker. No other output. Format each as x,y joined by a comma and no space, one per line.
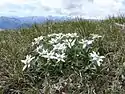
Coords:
54,46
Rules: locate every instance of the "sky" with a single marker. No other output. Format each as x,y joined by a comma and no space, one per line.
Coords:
94,9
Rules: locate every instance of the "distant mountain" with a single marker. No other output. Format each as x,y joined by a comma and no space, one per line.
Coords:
18,22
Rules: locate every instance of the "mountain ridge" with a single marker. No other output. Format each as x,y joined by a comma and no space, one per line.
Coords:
18,22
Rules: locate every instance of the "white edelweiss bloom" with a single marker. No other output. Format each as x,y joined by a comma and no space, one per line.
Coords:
59,46
59,37
55,34
52,35
60,57
38,48
42,52
37,40
75,35
53,41
59,34
56,39
69,42
94,36
27,61
71,35
86,42
49,55
96,58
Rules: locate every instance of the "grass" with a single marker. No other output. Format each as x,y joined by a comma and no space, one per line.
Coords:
15,45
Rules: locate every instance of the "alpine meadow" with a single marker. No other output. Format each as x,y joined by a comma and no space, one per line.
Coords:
68,57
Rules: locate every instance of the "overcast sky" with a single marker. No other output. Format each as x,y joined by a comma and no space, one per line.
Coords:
84,8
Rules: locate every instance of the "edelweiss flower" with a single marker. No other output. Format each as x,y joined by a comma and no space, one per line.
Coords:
27,61
38,48
94,36
70,42
71,35
59,46
60,57
54,34
37,40
49,55
56,38
43,52
53,40
86,42
96,58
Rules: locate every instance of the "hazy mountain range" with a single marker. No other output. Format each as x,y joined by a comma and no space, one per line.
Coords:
18,22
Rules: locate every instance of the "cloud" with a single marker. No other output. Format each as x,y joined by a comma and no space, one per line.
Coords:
20,7
84,8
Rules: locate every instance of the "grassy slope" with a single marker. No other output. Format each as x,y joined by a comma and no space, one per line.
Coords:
14,45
